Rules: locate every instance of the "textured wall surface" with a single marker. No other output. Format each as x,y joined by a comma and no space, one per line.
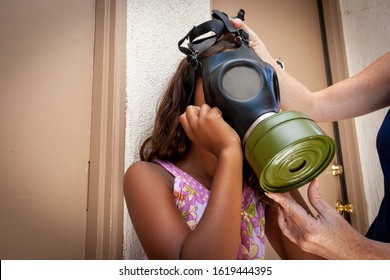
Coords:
366,34
154,28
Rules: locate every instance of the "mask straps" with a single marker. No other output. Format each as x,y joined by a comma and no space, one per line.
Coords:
199,39
202,37
229,26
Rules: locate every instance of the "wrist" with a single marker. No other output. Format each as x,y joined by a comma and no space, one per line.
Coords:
232,152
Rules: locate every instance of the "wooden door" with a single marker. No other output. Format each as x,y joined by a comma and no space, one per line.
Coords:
46,76
292,33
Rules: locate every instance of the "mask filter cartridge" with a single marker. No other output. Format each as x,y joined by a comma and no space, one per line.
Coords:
288,150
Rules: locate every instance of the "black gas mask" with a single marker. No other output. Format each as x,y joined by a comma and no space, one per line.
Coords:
286,150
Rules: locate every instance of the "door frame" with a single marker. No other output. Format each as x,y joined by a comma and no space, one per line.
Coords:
348,139
104,232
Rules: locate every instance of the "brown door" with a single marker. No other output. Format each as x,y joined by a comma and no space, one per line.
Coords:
291,31
46,58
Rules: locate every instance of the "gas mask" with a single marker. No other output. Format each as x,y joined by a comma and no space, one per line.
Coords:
286,150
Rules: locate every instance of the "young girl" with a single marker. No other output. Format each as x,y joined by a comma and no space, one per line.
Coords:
192,196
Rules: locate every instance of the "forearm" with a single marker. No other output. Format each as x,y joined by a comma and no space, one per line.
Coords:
353,246
365,249
329,104
376,250
293,94
363,93
366,92
217,235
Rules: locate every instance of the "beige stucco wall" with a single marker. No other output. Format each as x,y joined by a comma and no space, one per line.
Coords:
366,27
154,28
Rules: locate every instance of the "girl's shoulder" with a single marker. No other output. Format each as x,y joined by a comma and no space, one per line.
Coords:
146,173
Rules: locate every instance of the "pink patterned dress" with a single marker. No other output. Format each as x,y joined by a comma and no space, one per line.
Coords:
191,199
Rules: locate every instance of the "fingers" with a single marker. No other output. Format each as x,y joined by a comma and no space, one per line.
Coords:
297,213
283,200
217,111
195,113
239,24
290,208
188,118
316,200
285,224
194,116
204,111
254,41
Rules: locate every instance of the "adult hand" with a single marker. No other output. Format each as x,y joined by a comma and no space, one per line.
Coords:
254,41
327,235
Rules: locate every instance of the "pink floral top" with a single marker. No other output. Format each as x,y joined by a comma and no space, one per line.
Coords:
191,199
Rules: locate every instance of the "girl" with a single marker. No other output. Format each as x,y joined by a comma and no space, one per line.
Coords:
192,195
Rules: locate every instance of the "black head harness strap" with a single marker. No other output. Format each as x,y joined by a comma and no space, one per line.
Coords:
202,37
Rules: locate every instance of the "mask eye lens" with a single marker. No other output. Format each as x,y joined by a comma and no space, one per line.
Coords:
241,83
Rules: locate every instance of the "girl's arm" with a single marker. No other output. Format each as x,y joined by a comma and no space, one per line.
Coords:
160,227
217,236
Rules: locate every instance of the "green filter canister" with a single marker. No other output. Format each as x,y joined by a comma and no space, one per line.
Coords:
288,150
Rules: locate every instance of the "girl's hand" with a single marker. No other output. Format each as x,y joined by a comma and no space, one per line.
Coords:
206,128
